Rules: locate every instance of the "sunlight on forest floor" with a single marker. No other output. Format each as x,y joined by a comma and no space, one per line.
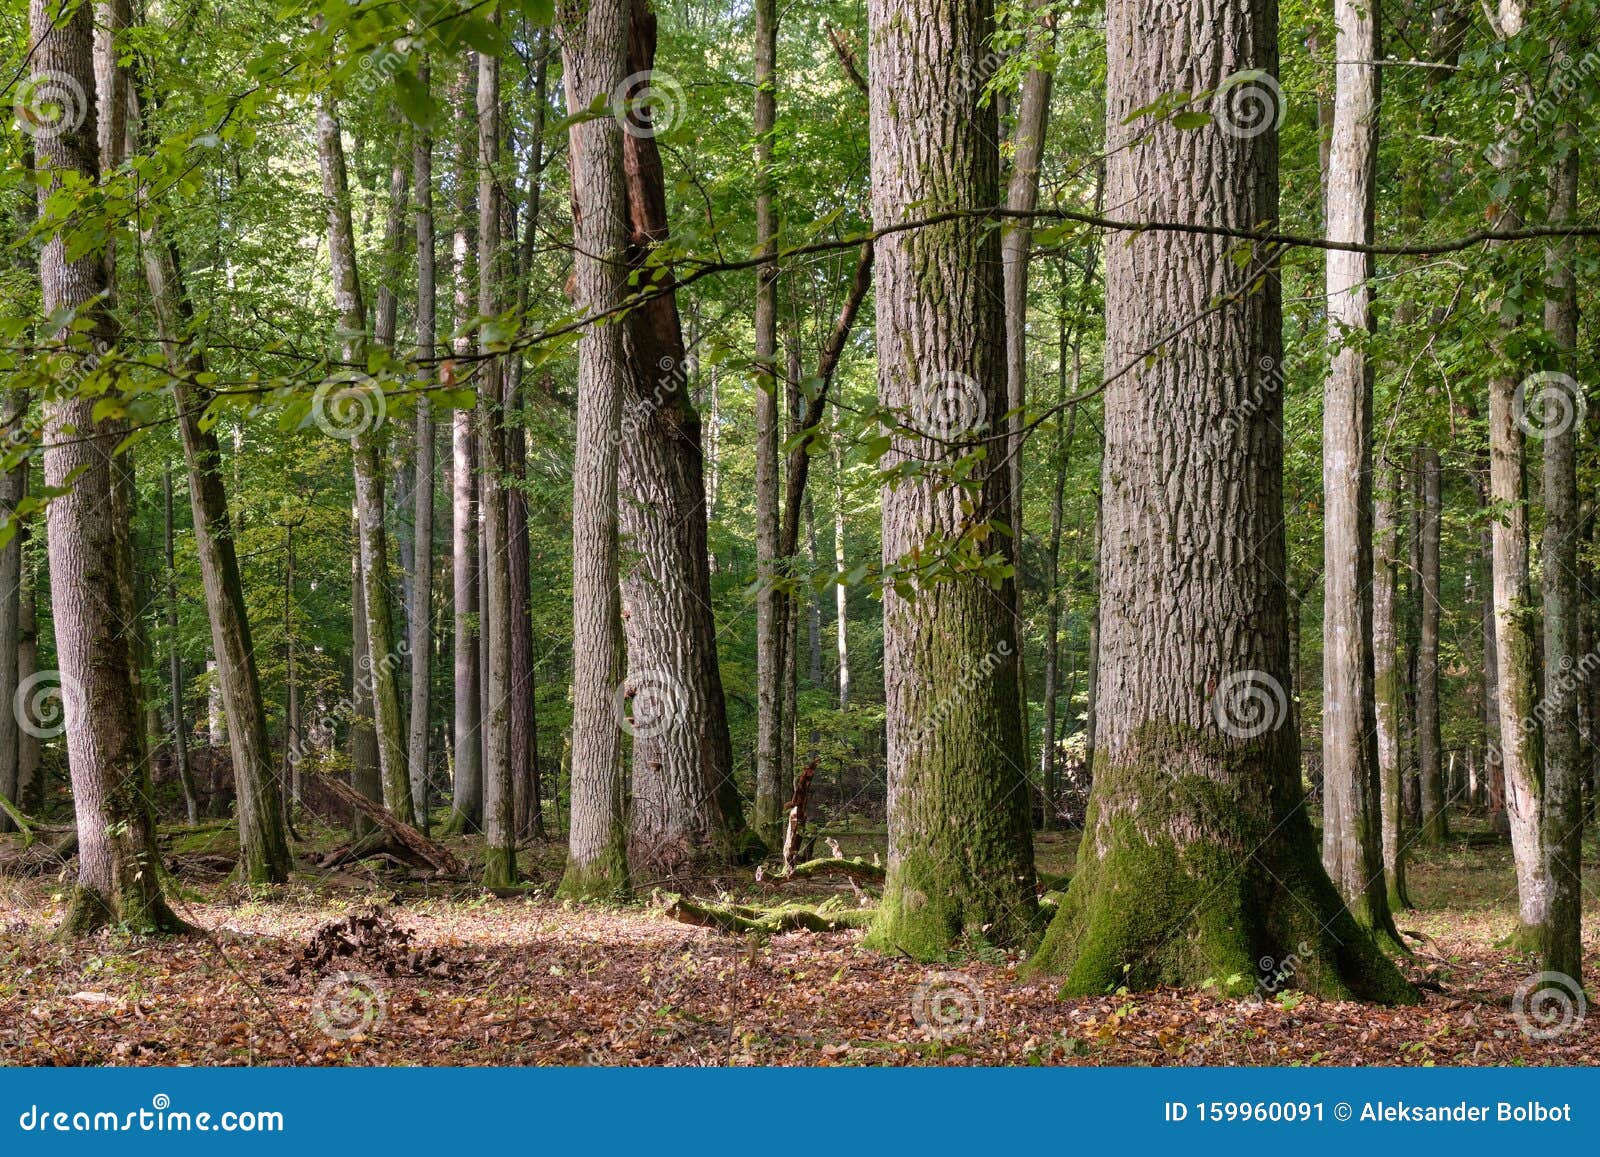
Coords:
471,979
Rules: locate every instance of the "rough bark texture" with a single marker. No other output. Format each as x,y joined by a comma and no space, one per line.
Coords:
1352,846
771,791
594,38
960,849
1561,947
686,806
91,565
1197,859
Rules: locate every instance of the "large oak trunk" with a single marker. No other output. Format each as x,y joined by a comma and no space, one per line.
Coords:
1197,860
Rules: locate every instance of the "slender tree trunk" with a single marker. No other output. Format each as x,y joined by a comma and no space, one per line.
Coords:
1389,700
685,804
421,615
91,567
1352,845
499,804
960,845
12,483
466,809
1561,945
841,592
594,39
1435,817
180,743
30,771
364,774
1198,859
771,791
1016,244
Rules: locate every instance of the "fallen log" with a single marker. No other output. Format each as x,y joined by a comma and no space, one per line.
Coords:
857,869
41,858
739,918
395,831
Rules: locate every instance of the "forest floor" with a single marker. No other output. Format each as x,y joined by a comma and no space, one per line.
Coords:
456,976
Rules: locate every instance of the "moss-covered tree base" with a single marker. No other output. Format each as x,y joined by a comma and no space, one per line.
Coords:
1184,883
932,901
602,880
88,911
499,867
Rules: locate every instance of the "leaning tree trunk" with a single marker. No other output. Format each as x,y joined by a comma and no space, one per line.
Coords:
686,806
363,400
1198,859
594,37
91,565
1352,840
421,616
960,846
1561,946
263,839
1389,699
499,814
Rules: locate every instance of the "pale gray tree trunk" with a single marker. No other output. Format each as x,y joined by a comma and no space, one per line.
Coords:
960,846
30,772
382,660
12,484
91,566
594,38
1196,748
1352,843
1388,696
180,741
1561,946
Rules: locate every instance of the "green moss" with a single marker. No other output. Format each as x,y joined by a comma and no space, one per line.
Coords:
602,880
499,867
1195,879
931,901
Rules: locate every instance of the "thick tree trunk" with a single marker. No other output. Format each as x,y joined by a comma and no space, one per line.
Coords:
686,806
1521,740
499,815
1352,843
594,38
1389,700
91,566
771,791
1198,859
960,847
421,616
